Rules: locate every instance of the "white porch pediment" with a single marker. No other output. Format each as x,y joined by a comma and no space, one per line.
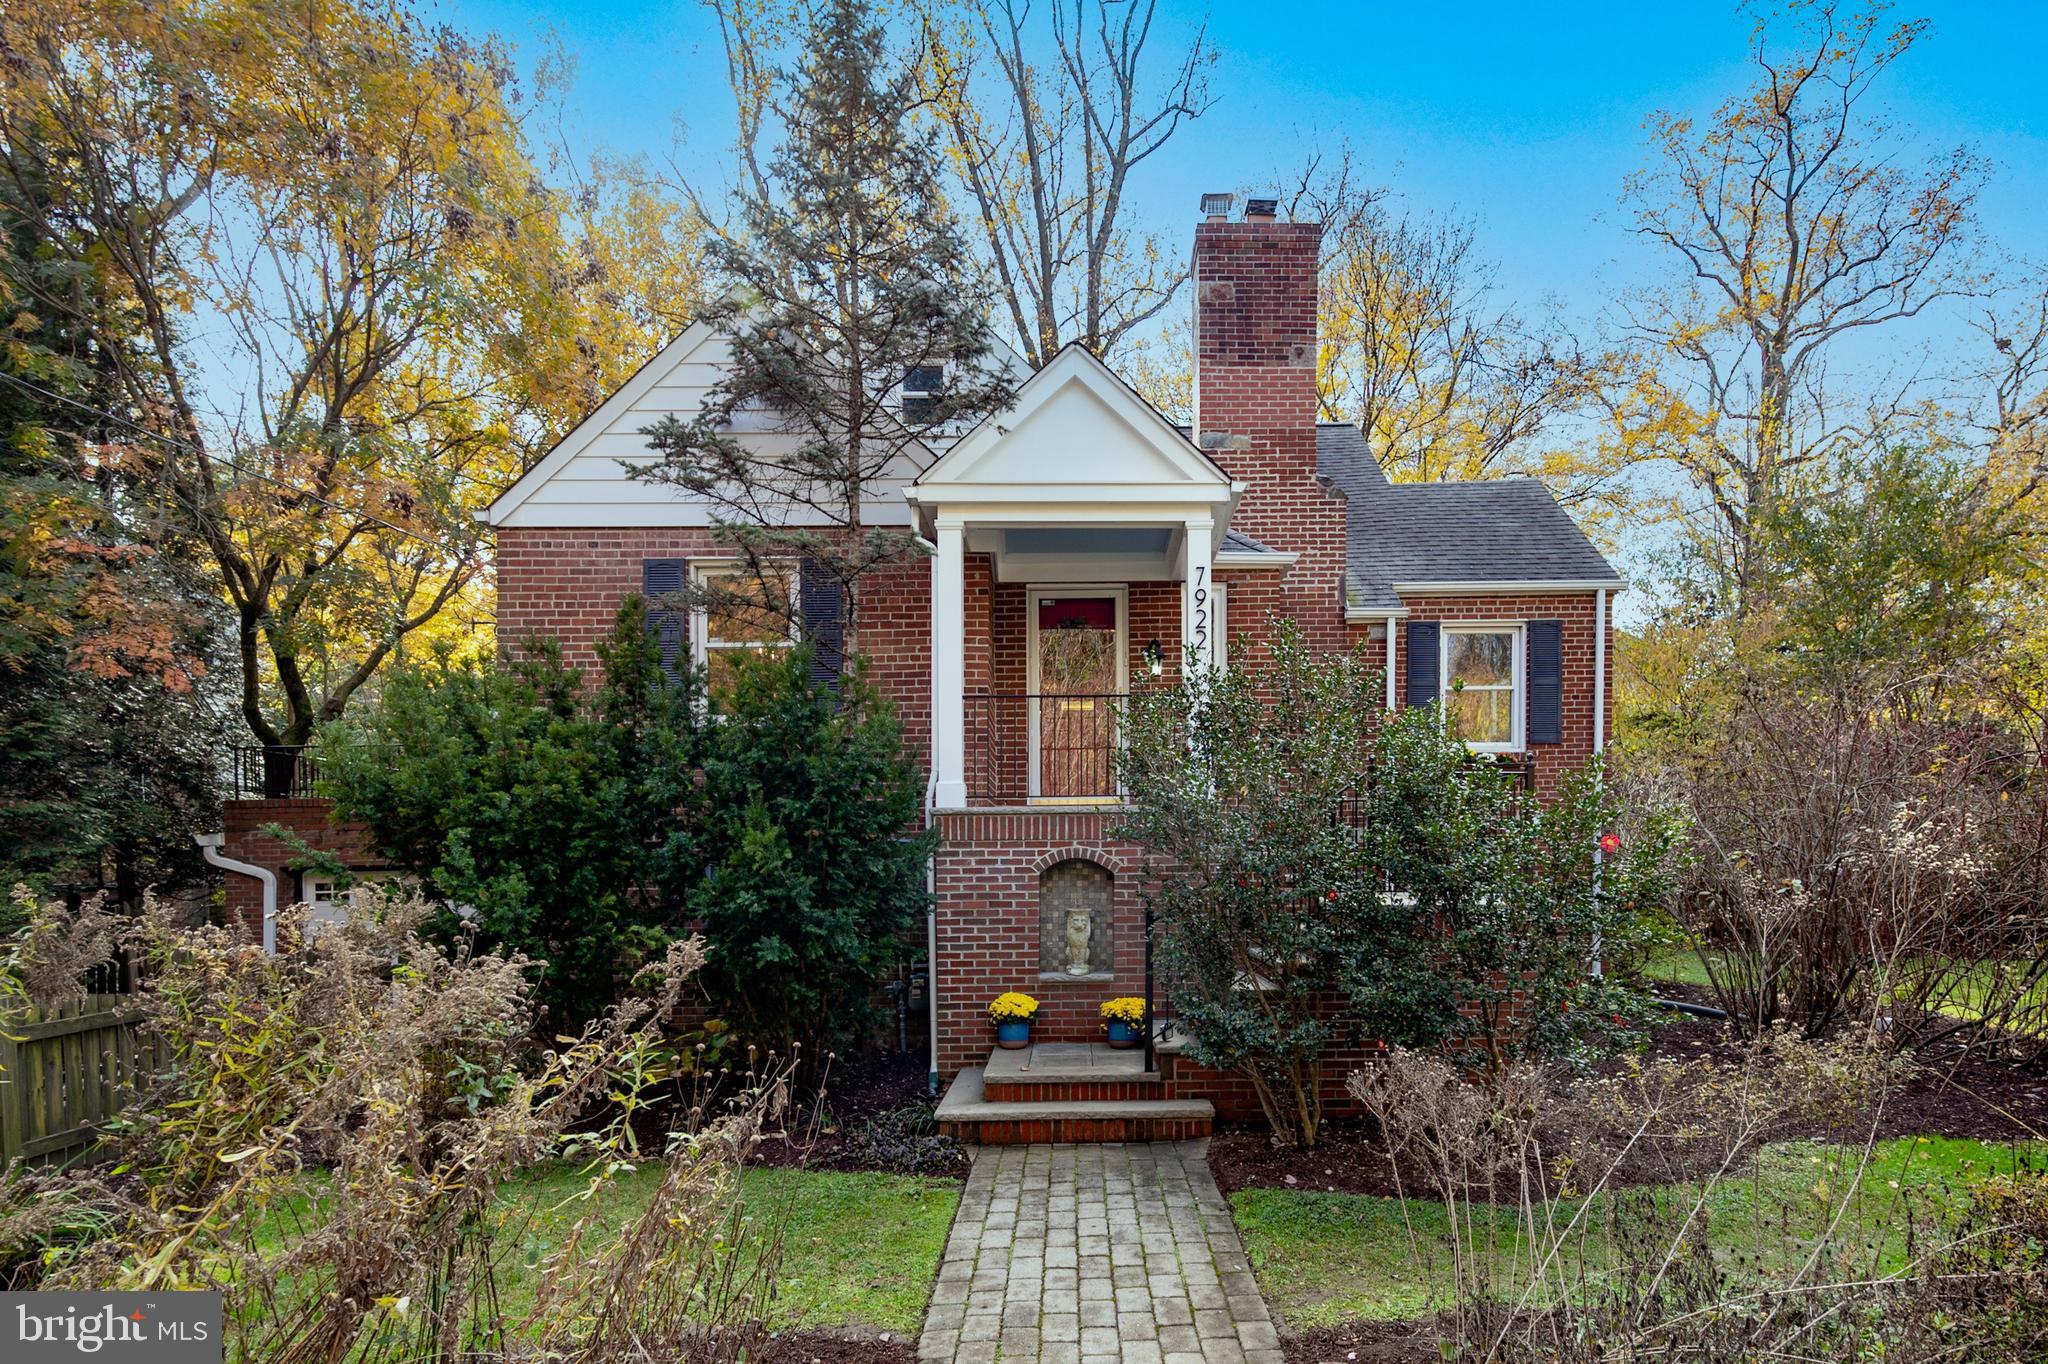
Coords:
1076,435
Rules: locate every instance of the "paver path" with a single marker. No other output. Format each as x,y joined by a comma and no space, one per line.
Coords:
1094,1254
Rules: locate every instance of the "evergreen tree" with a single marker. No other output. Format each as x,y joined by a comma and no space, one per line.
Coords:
106,752
846,274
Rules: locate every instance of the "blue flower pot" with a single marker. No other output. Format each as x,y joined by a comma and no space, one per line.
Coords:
1122,1035
1013,1034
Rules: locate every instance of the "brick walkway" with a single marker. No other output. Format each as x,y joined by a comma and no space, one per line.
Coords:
1095,1255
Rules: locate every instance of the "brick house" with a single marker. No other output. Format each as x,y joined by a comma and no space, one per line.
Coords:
1077,541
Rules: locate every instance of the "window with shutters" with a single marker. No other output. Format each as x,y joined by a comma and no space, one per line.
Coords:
1482,685
739,614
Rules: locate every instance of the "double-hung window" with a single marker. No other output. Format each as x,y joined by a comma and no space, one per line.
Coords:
740,614
1482,697
922,388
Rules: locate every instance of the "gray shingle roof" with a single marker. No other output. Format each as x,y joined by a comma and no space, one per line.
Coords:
1237,542
1499,530
1496,530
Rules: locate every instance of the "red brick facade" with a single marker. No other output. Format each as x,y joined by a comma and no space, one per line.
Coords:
1255,346
1255,413
1577,611
246,824
566,585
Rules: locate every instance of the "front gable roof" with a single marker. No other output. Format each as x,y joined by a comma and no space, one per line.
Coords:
587,478
1074,431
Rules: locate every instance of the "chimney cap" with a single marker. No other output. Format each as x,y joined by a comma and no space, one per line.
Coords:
1215,206
1264,210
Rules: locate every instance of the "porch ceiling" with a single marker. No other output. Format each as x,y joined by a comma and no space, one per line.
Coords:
1086,553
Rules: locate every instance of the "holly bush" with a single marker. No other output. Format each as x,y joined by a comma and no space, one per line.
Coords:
1323,873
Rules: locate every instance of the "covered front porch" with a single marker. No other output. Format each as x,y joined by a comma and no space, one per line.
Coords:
1075,545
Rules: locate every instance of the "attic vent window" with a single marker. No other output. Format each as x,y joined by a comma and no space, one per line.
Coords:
922,388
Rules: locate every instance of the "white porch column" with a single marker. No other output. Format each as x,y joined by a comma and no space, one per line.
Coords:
949,666
1198,595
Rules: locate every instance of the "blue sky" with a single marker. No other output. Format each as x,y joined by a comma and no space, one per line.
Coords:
1525,117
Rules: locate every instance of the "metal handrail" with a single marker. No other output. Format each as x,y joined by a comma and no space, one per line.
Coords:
274,771
1073,738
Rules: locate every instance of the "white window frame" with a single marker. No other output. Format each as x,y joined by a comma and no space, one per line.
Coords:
904,392
702,571
330,903
1518,684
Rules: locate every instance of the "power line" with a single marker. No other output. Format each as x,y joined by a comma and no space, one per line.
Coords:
229,463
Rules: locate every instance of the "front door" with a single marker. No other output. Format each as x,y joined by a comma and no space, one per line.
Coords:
1077,665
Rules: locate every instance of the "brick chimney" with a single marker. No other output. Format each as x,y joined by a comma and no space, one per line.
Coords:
1255,393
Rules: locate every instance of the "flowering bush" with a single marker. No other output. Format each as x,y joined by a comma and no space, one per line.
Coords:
1012,1007
1128,1009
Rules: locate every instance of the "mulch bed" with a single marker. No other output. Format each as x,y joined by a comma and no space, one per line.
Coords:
1977,1098
855,1091
822,1347
1364,1342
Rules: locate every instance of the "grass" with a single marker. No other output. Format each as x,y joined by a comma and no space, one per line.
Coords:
1963,994
1322,1258
859,1250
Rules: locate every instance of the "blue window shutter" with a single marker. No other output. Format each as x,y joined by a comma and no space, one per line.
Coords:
1425,661
822,603
668,619
1546,681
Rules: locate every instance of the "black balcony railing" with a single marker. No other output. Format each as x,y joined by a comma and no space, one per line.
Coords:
1046,746
275,772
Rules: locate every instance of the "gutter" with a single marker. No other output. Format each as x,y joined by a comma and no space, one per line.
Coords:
1510,586
210,849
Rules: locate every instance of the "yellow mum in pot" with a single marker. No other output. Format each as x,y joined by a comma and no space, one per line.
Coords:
1012,1007
1128,1010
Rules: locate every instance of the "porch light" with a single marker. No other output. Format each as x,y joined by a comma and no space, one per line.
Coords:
1155,657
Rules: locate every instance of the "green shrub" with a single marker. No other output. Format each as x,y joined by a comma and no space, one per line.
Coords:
555,814
1324,871
811,874
586,827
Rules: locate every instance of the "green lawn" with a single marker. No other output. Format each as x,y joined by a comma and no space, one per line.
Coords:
1328,1258
1677,966
1964,993
859,1250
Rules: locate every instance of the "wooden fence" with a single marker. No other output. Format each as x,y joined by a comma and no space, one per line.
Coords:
65,1070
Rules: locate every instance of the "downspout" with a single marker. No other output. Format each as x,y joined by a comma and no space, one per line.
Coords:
1599,732
210,849
931,940
1599,672
1392,662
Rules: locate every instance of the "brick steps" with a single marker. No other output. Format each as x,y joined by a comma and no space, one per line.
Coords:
967,1114
1149,1086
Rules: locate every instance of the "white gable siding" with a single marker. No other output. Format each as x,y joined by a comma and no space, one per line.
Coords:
584,481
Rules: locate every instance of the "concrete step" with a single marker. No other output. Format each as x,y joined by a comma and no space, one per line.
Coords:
967,1114
1066,1072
